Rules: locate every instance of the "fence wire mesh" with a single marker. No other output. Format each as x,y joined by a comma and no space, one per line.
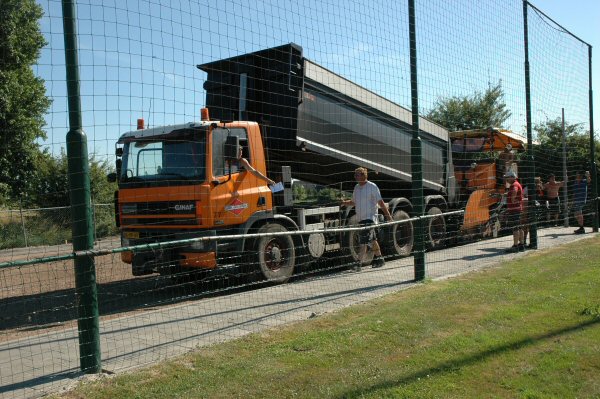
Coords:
200,250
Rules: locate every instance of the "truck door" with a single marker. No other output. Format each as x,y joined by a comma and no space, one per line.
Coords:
238,195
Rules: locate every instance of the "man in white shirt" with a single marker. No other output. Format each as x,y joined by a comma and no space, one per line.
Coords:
366,198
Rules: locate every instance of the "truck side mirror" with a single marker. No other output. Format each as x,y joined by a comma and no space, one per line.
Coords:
231,148
111,177
118,165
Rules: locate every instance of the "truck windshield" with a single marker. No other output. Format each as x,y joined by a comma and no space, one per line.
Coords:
179,157
471,144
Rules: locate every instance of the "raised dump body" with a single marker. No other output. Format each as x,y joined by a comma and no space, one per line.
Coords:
323,125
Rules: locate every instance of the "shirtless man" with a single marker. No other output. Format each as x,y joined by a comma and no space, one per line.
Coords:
552,188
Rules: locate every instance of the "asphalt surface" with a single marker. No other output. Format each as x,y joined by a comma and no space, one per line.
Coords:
48,362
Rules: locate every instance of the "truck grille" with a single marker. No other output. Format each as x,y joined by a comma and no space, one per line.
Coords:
158,208
160,221
178,213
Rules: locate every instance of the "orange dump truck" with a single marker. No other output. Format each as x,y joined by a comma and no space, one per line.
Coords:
298,123
481,158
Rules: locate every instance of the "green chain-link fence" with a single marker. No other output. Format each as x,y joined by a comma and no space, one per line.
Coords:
203,247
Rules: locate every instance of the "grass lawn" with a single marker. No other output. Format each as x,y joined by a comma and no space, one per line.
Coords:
527,329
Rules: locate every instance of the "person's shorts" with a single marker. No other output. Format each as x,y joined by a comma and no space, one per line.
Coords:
554,205
524,218
366,236
513,220
578,207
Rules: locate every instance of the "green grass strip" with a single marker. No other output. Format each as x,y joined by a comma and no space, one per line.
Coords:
527,329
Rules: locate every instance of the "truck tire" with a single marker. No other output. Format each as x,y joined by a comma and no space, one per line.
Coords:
436,228
275,255
401,236
352,247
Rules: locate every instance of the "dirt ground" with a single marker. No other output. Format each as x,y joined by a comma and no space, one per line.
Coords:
55,276
41,296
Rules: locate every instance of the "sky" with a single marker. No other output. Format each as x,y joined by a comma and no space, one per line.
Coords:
581,18
138,58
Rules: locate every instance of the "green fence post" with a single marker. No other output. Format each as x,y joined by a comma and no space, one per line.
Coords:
86,294
530,175
415,155
593,165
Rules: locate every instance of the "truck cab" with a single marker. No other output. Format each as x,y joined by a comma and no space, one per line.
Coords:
178,182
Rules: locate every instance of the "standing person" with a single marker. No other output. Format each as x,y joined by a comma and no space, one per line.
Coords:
514,205
580,198
506,159
525,222
552,188
541,203
366,197
540,195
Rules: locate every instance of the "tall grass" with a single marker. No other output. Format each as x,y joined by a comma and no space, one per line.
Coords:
50,227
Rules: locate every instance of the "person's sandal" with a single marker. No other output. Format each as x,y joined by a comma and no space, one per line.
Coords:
378,261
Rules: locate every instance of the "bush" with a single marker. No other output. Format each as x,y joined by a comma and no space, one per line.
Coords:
104,220
52,227
38,230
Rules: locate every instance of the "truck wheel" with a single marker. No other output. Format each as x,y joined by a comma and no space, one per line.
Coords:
351,244
276,255
401,235
436,228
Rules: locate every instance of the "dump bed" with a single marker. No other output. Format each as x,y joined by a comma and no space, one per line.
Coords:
322,124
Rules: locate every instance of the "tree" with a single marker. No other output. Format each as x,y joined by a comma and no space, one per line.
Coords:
52,191
23,100
52,182
547,153
478,111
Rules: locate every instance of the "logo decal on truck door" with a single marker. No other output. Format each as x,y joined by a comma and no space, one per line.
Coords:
236,206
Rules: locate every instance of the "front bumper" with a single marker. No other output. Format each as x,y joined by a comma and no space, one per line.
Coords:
172,257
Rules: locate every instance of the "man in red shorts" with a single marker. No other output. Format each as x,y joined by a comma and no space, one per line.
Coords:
514,204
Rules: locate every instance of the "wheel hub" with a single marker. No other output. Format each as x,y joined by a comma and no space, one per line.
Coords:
276,254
